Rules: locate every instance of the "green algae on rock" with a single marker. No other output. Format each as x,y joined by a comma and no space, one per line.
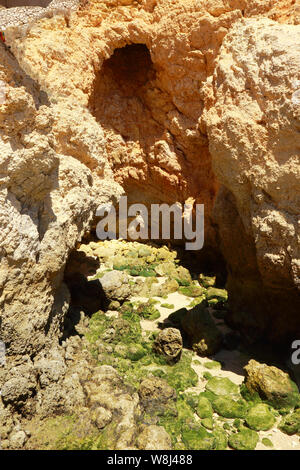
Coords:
148,311
260,418
181,375
213,365
221,440
272,384
215,293
228,408
290,424
222,386
204,336
208,423
245,439
204,408
133,351
197,438
192,290
267,442
207,281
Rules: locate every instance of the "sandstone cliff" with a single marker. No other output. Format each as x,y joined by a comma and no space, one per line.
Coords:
253,129
168,101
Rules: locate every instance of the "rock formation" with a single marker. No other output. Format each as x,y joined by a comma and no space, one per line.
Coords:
253,129
167,101
51,187
163,89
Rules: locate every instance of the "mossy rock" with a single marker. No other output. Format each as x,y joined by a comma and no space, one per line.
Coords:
267,442
228,408
163,290
185,417
237,423
219,294
197,301
181,375
133,352
272,384
191,291
183,276
213,302
251,397
197,438
204,408
290,424
245,439
209,395
144,271
191,399
222,386
148,311
204,336
221,440
213,365
207,375
208,423
260,418
207,281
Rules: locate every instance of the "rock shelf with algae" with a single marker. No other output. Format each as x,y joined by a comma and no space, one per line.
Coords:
131,379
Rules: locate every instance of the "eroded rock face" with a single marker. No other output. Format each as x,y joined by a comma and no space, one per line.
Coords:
253,129
49,195
144,72
154,438
271,384
203,334
141,69
123,93
169,344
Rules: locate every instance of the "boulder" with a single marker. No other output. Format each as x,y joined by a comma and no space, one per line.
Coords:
260,418
222,386
101,417
154,438
115,285
168,343
290,424
17,440
156,395
272,385
203,334
245,439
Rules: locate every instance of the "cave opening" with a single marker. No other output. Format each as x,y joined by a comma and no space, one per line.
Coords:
119,97
122,101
